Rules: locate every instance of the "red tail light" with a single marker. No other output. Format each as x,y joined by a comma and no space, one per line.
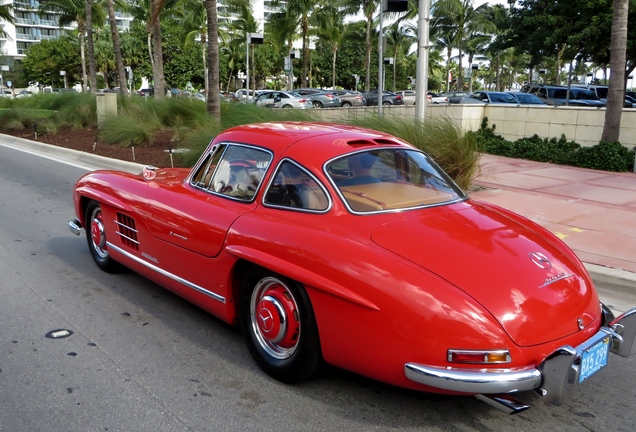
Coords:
329,95
303,101
398,97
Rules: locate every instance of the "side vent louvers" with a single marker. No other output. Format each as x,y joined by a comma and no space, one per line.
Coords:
126,231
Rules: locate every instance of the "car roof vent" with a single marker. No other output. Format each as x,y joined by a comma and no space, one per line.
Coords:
364,142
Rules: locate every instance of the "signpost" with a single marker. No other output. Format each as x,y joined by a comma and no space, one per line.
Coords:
252,38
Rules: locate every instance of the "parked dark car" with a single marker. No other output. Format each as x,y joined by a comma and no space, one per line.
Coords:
556,96
601,92
350,98
454,97
527,98
146,92
388,98
489,97
320,98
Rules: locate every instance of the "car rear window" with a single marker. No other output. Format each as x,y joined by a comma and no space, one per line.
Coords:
391,179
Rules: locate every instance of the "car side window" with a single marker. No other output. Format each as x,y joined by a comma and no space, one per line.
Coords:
233,170
294,187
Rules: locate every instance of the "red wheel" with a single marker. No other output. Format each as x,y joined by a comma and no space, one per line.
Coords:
279,326
275,318
96,238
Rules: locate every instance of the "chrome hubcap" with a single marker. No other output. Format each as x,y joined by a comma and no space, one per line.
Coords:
98,234
275,318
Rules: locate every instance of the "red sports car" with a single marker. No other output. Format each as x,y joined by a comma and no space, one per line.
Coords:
350,246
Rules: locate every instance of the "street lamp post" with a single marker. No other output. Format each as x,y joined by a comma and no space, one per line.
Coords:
63,73
292,55
252,38
386,6
421,78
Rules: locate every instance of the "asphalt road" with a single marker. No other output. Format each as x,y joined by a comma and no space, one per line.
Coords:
142,359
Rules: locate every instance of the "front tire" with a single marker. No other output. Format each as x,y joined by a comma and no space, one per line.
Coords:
279,326
96,238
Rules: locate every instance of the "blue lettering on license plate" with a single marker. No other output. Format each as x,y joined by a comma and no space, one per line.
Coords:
594,359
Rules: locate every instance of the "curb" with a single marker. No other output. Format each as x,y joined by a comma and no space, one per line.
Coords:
86,160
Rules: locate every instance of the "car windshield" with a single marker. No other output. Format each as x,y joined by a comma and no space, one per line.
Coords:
391,179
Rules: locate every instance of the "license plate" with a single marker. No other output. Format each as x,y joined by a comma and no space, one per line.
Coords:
594,359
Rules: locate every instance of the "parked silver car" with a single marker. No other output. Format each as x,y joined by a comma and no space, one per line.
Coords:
283,99
350,98
408,96
321,98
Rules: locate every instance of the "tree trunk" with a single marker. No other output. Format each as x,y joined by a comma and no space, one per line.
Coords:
367,56
90,45
123,85
333,66
81,28
204,50
616,92
460,77
305,29
214,98
157,54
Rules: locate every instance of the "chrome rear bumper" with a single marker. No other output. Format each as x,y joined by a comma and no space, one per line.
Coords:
75,225
549,378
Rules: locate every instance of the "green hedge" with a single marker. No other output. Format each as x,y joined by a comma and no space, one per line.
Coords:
606,156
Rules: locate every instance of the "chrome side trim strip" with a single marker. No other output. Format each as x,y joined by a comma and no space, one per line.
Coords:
127,238
125,226
167,274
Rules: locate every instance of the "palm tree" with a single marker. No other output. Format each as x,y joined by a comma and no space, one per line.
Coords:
241,28
281,30
214,97
368,8
616,95
193,16
331,27
300,12
400,38
71,11
90,45
460,18
123,86
6,16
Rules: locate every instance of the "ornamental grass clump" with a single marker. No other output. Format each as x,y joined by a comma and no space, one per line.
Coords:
453,150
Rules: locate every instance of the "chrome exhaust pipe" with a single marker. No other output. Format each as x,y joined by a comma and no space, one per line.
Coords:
503,403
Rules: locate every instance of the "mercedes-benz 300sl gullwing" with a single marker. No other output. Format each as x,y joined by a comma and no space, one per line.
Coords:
335,244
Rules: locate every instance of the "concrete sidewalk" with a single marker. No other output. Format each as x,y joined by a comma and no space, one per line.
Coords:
593,212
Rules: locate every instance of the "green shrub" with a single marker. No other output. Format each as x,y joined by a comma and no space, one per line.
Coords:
607,156
603,156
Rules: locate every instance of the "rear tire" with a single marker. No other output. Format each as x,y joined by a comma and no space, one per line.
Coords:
279,326
316,104
387,103
346,104
96,238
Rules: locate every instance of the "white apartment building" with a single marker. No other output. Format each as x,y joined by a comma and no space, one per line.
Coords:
30,27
